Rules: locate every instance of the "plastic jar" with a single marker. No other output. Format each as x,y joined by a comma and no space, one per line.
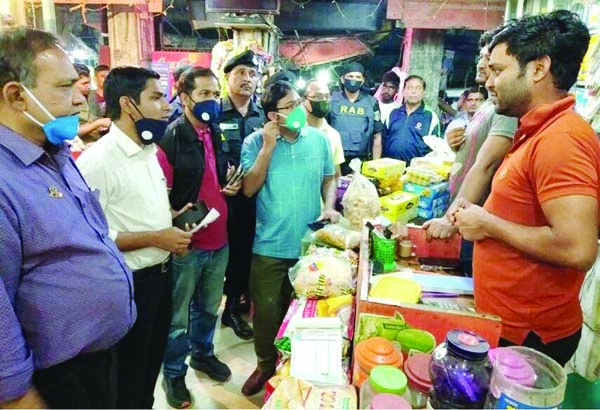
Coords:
382,379
525,378
416,369
460,371
373,352
383,401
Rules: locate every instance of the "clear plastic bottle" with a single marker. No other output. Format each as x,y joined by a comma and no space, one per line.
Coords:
460,371
382,379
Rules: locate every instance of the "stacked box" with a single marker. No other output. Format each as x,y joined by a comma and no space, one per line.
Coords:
386,172
399,206
433,199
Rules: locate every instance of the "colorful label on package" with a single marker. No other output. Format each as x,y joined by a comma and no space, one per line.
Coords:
505,402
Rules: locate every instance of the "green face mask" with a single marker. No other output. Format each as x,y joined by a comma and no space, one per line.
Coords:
296,119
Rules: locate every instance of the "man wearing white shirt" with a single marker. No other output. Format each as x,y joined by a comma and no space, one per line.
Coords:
390,85
123,166
317,104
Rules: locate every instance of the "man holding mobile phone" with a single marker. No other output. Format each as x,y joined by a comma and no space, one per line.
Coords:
191,158
122,165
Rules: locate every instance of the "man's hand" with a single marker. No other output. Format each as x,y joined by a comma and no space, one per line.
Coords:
329,214
440,228
30,400
472,221
455,138
102,123
270,133
173,240
175,213
232,189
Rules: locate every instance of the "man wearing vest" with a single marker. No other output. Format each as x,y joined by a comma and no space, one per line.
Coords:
355,115
403,137
240,117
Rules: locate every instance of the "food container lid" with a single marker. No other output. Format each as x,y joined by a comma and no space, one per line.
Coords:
388,379
416,369
376,351
513,366
467,344
383,401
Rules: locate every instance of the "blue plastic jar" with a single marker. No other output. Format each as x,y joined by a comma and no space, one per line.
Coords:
460,371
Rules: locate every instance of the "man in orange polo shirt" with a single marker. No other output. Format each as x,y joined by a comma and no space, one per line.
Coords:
536,234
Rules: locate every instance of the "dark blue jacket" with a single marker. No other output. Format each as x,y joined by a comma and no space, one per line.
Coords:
403,137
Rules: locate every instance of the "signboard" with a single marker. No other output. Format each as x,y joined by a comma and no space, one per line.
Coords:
165,62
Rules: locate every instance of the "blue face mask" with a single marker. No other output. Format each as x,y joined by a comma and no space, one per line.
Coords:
151,131
206,111
57,130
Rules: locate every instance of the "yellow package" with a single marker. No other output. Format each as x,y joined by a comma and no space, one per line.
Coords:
383,168
399,206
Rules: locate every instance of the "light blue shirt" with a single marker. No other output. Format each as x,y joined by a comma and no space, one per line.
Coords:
291,195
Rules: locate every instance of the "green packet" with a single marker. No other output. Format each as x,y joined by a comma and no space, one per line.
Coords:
371,325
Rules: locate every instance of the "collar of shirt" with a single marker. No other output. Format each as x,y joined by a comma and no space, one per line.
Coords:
202,133
127,145
227,105
420,108
536,118
27,151
283,139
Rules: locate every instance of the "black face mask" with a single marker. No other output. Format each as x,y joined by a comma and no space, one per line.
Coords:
352,86
151,131
320,108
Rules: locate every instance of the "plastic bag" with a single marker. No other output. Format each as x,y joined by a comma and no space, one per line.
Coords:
341,235
321,276
361,200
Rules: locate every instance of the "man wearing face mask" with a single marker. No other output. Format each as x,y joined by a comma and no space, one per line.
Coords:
240,117
317,104
123,166
65,291
356,116
193,162
290,170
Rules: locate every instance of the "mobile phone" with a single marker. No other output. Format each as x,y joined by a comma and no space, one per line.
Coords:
316,225
443,263
193,215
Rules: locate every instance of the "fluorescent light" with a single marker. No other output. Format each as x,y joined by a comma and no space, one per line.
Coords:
324,76
300,83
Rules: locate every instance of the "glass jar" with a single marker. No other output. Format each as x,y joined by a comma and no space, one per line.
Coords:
416,369
382,379
460,371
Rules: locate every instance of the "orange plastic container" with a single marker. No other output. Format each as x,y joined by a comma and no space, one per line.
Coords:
373,352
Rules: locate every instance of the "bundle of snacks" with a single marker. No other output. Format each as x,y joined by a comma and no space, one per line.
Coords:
341,235
292,393
360,201
323,274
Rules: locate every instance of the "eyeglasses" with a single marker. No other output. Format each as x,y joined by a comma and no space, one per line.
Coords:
291,106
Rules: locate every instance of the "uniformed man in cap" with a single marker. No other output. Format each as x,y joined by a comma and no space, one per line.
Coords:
356,116
240,116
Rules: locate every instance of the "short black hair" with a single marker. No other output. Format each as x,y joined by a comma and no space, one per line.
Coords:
187,80
82,70
560,35
413,77
477,89
125,81
391,77
18,49
180,70
274,93
487,37
101,67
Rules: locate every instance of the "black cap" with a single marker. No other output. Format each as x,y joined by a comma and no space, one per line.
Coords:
353,68
247,58
281,76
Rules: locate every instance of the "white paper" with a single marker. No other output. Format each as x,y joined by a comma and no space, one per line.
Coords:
210,217
317,350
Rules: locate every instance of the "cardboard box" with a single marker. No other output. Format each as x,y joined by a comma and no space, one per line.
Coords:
383,168
399,206
429,196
